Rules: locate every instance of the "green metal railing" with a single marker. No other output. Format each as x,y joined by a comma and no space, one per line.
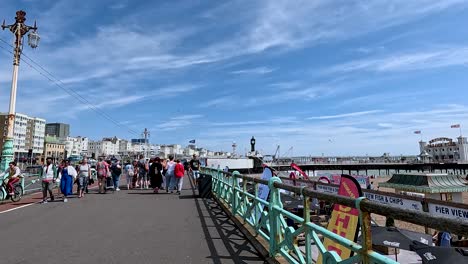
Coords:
270,224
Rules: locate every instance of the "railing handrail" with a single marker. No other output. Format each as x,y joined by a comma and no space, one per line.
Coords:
454,226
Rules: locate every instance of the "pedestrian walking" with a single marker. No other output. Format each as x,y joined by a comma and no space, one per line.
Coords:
163,172
156,172
179,172
195,169
102,172
135,174
129,171
170,174
48,176
68,175
84,172
116,171
143,172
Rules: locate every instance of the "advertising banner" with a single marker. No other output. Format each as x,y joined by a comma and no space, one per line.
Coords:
362,180
344,220
394,201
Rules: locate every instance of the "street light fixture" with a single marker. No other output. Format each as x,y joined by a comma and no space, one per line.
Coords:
19,29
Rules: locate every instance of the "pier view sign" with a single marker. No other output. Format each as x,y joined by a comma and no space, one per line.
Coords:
448,211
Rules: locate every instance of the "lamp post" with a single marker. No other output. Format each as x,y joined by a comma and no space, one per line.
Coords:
19,29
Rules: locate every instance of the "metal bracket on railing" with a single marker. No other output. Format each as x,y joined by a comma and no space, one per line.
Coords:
302,192
358,204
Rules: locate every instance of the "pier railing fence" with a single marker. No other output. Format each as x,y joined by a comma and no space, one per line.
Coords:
241,194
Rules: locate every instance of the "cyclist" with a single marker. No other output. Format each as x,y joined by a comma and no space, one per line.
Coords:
13,173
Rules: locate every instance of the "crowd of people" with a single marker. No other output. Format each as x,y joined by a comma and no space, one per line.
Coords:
156,173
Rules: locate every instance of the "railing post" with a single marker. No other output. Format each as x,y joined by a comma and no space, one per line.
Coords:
22,185
366,238
273,215
307,231
245,199
257,215
235,183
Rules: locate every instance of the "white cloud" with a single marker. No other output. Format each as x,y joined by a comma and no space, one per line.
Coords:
448,56
256,71
284,23
228,100
177,122
187,117
353,114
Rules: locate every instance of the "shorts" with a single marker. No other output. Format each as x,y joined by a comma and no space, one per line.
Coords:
142,176
195,174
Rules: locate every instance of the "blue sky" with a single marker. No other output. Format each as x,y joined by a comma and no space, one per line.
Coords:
331,77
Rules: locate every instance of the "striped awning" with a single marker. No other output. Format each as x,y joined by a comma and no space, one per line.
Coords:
427,183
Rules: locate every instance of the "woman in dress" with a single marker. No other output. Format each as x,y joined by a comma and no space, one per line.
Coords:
156,174
68,175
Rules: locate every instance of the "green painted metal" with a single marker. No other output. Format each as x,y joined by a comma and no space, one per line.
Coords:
7,154
271,224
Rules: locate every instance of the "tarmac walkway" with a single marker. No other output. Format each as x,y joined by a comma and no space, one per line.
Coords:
130,226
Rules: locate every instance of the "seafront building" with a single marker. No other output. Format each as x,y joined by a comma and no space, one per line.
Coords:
444,149
54,148
76,146
59,130
28,134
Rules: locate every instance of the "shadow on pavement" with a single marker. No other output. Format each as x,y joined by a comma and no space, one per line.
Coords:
214,219
188,196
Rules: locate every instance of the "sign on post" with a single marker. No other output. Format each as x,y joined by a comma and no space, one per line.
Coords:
344,220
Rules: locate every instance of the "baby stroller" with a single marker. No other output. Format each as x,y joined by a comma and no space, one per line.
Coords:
109,185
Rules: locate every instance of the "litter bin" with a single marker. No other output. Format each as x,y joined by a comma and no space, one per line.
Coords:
204,186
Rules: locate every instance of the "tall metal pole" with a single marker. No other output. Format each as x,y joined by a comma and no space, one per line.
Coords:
19,29
146,134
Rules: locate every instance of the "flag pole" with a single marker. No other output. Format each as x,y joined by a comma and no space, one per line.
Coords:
460,131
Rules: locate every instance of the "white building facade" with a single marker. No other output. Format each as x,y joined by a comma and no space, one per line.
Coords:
28,132
444,150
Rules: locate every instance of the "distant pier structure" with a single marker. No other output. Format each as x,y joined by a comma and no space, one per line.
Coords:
377,168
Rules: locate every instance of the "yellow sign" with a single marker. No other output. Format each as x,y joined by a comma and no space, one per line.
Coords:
344,220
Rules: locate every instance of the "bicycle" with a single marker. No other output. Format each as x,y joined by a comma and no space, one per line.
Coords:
17,191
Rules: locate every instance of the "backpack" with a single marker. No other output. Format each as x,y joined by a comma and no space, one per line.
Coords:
130,170
116,170
143,167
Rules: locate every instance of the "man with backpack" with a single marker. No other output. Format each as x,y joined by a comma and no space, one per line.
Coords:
102,172
116,171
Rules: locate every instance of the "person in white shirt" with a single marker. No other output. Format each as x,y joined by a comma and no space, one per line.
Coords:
13,173
84,171
48,179
170,176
